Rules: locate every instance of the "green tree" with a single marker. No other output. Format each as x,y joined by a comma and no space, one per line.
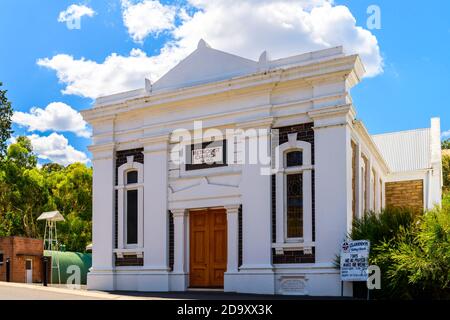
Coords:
22,154
26,194
27,190
417,261
71,188
6,113
445,144
446,172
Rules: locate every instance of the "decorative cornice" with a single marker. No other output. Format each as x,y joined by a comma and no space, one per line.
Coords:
307,72
102,147
156,143
333,111
263,123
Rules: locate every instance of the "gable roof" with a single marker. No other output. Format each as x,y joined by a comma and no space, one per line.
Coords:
205,65
406,150
51,216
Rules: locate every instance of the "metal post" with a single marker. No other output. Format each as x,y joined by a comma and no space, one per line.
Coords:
45,267
8,269
342,288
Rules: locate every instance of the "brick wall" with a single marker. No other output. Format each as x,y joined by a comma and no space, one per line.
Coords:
304,132
404,194
129,260
19,249
171,241
121,158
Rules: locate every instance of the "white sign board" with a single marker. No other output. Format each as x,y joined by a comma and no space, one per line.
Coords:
208,155
355,260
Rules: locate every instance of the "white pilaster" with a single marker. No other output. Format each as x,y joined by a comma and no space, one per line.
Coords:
155,207
333,184
256,273
232,238
358,179
101,276
231,276
370,185
180,267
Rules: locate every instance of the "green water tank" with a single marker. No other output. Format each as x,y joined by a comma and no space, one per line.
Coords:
67,259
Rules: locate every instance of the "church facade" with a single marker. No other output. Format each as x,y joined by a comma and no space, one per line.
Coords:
244,175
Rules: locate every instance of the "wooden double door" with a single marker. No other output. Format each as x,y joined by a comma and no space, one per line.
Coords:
208,248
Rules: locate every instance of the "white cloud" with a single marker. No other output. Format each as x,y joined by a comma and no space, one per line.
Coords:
283,27
147,17
115,74
56,148
57,116
445,134
75,12
242,27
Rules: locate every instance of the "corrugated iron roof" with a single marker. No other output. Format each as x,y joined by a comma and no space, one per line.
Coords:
51,215
405,150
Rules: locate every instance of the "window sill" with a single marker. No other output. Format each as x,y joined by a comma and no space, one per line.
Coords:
292,246
129,186
139,252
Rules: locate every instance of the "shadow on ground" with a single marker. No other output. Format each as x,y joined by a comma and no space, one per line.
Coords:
208,295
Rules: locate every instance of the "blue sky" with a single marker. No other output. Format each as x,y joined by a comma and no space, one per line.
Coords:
414,43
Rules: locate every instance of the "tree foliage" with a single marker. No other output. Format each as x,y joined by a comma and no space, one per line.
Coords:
27,190
6,113
412,251
445,144
446,172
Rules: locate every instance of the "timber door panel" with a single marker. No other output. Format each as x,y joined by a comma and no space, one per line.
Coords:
208,247
199,251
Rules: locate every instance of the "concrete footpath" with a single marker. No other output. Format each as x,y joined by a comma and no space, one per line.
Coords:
20,291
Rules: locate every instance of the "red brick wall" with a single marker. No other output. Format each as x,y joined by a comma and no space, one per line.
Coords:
19,249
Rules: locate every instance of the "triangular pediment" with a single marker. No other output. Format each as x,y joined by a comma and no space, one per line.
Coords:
204,65
203,190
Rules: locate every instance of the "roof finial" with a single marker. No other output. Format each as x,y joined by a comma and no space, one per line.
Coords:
202,44
148,85
264,57
263,61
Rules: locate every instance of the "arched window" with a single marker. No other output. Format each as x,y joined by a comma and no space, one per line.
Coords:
293,195
130,204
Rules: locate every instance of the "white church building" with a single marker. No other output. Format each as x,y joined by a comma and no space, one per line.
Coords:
244,175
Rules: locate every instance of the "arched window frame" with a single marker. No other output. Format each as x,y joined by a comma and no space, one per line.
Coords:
281,171
122,189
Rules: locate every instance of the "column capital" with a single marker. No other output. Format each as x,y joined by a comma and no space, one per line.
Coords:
102,151
177,213
232,208
264,123
156,143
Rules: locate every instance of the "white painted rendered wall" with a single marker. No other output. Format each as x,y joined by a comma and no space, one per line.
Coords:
272,100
